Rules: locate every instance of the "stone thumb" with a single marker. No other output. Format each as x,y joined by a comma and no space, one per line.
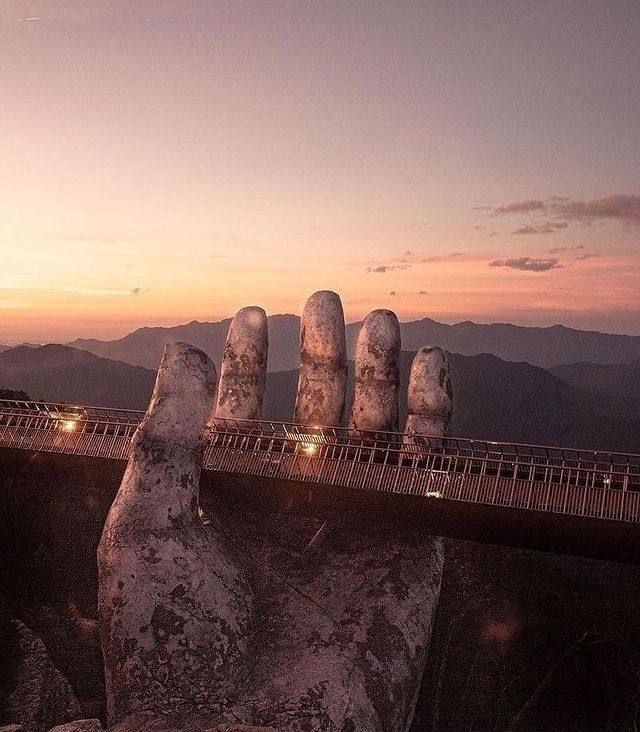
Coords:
161,482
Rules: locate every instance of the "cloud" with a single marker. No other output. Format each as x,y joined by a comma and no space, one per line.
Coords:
616,206
41,283
527,264
443,258
393,293
549,227
587,256
527,230
613,207
422,292
555,250
81,238
381,269
519,207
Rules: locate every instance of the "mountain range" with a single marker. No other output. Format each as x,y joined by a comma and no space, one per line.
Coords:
546,347
616,380
144,346
60,373
494,399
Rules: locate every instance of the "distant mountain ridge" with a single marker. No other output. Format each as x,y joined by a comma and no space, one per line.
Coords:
60,373
546,347
143,347
493,399
506,401
616,380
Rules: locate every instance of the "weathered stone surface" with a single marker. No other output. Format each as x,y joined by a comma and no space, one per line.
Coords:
377,374
350,624
429,393
150,722
173,622
12,728
79,725
242,728
323,361
258,633
244,366
41,696
144,722
347,632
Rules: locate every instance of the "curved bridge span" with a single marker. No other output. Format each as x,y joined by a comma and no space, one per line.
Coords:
443,474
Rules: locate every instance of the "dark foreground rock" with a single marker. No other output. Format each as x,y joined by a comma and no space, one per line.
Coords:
40,696
80,725
505,620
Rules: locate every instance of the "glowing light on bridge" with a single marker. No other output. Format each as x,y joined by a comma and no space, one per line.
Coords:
309,443
65,421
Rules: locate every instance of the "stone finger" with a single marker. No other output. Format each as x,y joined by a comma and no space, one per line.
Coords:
243,372
323,362
173,607
429,393
377,374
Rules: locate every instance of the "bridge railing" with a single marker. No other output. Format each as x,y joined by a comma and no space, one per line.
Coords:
520,461
580,482
66,428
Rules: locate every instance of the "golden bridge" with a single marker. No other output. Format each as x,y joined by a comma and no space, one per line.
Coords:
468,488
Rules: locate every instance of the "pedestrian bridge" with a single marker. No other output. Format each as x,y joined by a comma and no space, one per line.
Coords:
579,501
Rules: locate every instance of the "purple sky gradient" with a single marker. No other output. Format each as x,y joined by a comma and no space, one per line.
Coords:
163,161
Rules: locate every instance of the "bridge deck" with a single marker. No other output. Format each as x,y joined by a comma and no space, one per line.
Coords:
578,483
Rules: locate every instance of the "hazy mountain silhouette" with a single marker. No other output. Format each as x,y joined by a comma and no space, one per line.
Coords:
66,374
540,346
617,380
494,399
144,346
502,400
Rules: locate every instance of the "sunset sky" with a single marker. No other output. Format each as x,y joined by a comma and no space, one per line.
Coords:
459,159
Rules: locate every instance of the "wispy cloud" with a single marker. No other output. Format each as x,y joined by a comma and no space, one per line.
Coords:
613,207
383,268
81,238
40,283
556,250
443,257
519,207
550,227
527,230
617,206
527,264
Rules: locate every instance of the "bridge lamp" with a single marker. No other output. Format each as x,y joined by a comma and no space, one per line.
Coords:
310,448
308,443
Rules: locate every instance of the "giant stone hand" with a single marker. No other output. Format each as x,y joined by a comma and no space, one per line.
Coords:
232,622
